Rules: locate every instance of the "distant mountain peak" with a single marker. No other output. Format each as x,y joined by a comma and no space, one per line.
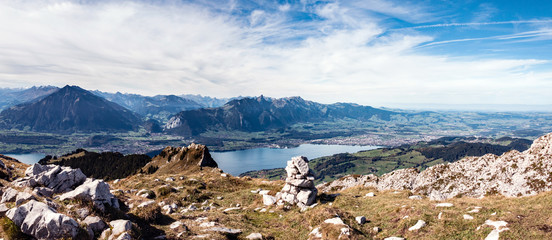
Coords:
70,109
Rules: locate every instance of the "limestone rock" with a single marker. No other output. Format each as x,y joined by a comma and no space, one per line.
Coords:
120,226
9,195
42,222
224,230
269,200
254,236
94,225
43,191
22,197
59,179
3,208
360,220
335,221
420,224
96,191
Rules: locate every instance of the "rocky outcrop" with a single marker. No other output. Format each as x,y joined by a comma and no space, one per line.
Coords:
179,159
511,174
59,179
95,191
42,222
299,188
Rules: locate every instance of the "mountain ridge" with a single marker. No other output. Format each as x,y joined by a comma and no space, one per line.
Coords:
261,113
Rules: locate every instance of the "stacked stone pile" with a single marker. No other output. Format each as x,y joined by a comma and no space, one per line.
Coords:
299,188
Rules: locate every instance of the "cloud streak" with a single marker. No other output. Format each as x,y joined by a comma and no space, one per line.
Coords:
326,52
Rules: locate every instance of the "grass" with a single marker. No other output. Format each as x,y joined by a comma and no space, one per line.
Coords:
527,217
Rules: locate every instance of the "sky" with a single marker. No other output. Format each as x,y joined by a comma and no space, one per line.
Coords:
371,52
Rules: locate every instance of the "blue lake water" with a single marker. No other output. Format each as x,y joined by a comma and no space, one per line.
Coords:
237,162
28,158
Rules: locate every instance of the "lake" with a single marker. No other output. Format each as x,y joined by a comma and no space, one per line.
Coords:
28,158
237,162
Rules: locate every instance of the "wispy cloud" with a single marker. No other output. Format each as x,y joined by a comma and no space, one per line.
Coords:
325,51
441,25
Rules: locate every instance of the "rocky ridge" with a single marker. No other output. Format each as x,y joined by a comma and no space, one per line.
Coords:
512,174
181,159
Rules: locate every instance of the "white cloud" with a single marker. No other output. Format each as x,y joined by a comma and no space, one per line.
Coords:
180,48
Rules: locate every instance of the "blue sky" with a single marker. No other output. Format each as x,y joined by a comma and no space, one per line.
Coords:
372,52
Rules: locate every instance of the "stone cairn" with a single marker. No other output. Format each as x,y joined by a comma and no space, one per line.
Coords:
299,188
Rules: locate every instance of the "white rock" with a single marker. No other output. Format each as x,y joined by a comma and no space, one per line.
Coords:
316,233
231,209
207,224
94,190
370,194
415,197
444,205
360,220
302,164
307,196
59,179
9,195
175,225
393,238
264,192
120,226
146,203
335,221
37,219
440,215
269,200
224,230
467,217
170,179
255,236
94,224
124,236
418,225
22,197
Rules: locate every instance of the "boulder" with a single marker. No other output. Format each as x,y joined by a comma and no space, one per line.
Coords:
120,226
254,236
360,220
269,200
94,225
43,191
22,197
59,179
42,222
9,195
95,191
